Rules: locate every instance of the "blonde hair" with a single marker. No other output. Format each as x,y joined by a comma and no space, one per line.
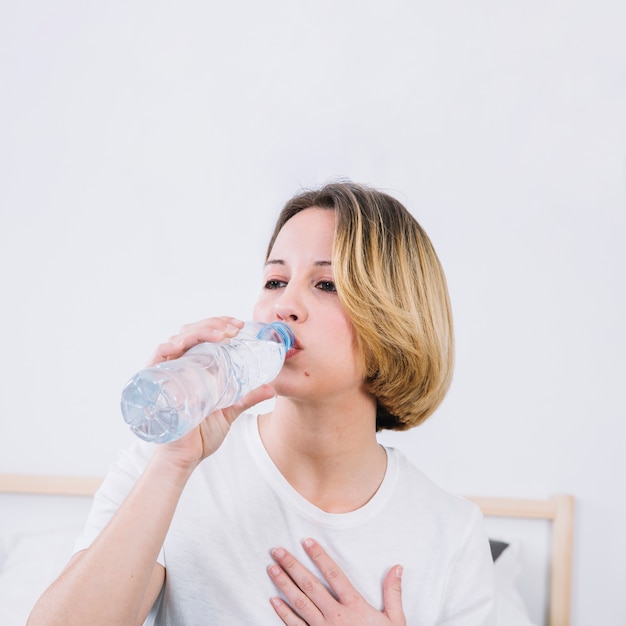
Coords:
393,288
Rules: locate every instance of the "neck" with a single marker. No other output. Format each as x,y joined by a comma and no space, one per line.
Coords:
329,454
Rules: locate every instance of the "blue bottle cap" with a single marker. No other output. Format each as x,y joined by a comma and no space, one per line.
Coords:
282,330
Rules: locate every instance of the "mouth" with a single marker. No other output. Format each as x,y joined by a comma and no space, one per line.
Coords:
293,350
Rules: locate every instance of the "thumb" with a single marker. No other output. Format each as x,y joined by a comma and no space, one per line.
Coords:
392,596
264,392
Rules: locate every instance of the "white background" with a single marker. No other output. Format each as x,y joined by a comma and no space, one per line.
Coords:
146,148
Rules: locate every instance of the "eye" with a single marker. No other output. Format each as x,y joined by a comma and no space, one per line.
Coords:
274,284
327,285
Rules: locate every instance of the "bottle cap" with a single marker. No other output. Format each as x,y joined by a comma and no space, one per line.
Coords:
278,330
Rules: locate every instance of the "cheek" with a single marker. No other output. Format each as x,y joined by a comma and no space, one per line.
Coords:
344,337
262,308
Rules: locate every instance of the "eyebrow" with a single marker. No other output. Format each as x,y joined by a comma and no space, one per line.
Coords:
281,262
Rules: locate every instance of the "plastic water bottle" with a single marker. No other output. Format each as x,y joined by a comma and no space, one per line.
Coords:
163,402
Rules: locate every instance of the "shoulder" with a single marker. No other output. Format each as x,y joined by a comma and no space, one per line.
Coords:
427,498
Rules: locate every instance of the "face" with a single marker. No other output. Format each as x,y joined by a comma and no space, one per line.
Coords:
299,288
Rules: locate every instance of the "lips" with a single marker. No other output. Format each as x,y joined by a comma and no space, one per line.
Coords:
293,350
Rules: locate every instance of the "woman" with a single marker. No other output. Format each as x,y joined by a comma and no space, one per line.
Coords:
347,531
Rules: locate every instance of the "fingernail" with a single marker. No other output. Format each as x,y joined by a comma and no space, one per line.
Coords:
399,571
279,553
308,543
274,570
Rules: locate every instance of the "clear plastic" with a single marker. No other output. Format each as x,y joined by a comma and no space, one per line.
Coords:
164,402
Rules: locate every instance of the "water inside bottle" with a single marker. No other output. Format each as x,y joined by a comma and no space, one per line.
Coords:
148,411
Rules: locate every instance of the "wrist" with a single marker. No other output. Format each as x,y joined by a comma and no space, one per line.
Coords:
174,467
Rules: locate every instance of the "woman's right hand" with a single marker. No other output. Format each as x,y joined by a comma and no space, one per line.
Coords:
206,438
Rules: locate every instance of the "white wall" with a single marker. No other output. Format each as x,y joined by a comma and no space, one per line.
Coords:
146,147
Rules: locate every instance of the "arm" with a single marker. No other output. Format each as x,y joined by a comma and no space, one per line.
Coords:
117,579
470,583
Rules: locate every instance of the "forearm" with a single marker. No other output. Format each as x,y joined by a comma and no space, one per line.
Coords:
115,581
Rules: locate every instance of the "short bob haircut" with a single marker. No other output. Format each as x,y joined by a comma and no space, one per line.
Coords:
393,288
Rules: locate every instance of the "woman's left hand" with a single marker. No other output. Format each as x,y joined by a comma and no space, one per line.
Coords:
310,602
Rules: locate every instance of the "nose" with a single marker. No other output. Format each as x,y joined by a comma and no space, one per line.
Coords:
290,308
287,313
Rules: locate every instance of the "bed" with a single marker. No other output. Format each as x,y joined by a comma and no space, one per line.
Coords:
40,516
556,514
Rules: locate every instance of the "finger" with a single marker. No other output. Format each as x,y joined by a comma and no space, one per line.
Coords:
214,330
331,572
283,610
306,594
260,394
211,321
392,595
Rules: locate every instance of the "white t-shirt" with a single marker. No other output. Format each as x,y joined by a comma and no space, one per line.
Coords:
237,506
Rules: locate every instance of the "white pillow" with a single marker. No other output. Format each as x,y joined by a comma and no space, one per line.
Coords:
30,562
511,608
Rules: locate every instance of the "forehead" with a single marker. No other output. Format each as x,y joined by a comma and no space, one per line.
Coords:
311,230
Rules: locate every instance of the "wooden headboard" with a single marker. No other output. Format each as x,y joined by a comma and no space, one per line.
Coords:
49,485
558,509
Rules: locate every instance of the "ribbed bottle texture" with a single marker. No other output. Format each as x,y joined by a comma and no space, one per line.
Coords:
164,402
